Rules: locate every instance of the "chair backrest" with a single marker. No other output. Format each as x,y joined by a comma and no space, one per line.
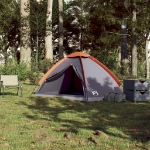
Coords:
9,80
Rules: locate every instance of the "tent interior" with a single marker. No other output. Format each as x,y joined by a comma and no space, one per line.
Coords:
66,82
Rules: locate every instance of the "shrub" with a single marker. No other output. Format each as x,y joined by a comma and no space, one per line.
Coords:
108,58
13,67
45,65
37,71
141,69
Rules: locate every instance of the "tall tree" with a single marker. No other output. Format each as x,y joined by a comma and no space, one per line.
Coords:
103,30
48,36
37,25
134,45
9,28
102,23
75,14
25,47
147,60
60,3
124,54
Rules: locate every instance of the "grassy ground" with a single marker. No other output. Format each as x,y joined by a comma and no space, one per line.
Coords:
33,123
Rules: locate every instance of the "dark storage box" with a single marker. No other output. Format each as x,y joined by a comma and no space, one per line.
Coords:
136,96
133,84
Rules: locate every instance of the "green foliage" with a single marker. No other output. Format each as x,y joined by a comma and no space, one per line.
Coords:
34,76
9,25
37,26
12,67
38,70
95,24
55,16
142,69
110,59
45,65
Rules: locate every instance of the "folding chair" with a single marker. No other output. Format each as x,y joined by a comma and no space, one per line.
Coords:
10,81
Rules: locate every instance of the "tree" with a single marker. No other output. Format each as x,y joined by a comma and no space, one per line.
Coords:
60,3
48,36
102,34
102,28
147,61
38,26
75,25
124,53
9,28
25,47
134,46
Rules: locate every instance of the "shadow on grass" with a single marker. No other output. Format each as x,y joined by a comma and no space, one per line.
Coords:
13,93
133,120
123,120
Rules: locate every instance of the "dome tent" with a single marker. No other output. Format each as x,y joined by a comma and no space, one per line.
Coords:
78,76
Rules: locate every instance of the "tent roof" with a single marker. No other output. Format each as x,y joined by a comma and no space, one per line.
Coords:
80,54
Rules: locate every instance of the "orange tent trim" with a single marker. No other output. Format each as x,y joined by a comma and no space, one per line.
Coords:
78,54
48,72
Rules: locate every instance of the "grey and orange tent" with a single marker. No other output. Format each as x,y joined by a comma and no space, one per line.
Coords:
78,76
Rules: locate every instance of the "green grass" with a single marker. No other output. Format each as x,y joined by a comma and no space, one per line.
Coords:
37,123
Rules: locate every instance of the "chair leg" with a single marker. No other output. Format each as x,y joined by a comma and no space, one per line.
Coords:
20,91
17,90
3,91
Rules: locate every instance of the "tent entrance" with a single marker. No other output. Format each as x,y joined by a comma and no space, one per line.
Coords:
71,84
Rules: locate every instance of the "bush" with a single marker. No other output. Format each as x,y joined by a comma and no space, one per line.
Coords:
13,67
45,65
108,58
141,69
34,77
37,71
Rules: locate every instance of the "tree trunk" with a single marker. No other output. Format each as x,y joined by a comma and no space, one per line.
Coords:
124,40
37,43
37,49
61,38
134,47
25,48
124,52
147,60
48,36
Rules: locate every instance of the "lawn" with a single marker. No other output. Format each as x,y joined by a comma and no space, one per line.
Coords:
37,123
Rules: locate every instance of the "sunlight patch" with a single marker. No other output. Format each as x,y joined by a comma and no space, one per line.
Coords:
113,116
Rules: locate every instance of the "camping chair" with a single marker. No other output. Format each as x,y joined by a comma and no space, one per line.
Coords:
10,81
